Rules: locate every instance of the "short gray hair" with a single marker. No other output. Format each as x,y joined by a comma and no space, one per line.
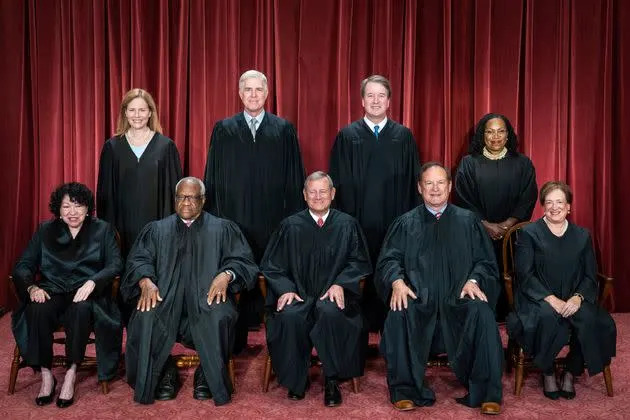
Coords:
316,176
252,74
192,180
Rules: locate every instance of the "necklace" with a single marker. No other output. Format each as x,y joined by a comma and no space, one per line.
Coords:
141,140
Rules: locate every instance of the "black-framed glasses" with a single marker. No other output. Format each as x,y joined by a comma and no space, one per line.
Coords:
182,198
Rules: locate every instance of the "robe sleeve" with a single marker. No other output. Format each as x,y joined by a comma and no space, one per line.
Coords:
389,266
275,265
587,284
527,280
172,174
528,193
140,263
484,264
294,170
236,255
210,178
105,190
466,186
341,174
358,265
27,266
112,262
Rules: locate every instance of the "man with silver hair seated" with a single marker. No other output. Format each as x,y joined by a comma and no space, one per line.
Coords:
182,274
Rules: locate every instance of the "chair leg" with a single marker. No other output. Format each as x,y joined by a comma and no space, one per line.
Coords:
518,373
105,387
509,362
231,373
266,374
15,366
355,385
608,381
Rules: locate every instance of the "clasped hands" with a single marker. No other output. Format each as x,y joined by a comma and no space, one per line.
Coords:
401,292
334,294
39,295
150,294
564,308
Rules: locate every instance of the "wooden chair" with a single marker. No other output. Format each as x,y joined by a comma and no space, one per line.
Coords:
518,358
184,361
314,360
59,360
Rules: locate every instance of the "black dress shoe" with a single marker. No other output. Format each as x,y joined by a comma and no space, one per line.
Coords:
295,396
47,399
332,394
169,384
201,390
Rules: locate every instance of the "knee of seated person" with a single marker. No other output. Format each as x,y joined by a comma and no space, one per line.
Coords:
83,308
547,313
220,313
482,308
396,317
290,313
327,309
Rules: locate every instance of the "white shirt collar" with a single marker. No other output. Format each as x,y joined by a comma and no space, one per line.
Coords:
371,124
258,118
315,217
434,212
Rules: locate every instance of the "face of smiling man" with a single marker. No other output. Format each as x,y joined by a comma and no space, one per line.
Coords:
435,187
375,102
253,93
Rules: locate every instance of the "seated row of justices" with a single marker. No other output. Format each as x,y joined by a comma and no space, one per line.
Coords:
436,272
254,175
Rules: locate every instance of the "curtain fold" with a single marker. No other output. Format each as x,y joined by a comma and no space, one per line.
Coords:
558,69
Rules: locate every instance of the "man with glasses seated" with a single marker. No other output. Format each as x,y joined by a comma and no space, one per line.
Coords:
182,273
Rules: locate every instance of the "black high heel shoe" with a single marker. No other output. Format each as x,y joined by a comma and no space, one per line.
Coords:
62,403
47,399
568,395
552,395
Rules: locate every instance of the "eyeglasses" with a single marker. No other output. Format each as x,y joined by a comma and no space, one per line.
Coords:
500,132
192,198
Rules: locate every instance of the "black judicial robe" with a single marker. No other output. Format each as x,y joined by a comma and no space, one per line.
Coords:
436,258
306,259
375,178
561,266
254,183
182,262
65,264
497,189
132,192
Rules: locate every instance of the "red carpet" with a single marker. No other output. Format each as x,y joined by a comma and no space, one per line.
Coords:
372,402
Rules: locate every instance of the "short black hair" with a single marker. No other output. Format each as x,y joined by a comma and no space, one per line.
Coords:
430,165
77,192
477,143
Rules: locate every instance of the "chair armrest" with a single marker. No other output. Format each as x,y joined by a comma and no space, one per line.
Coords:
606,289
262,284
509,291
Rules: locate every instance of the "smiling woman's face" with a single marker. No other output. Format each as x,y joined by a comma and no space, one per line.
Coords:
72,213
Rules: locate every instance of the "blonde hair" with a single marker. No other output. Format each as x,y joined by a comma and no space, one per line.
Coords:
122,125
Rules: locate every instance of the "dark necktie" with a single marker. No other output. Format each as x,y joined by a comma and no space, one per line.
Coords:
320,222
376,131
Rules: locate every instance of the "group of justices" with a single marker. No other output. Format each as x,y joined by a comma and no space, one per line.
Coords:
423,272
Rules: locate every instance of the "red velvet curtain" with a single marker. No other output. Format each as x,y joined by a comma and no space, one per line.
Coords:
558,69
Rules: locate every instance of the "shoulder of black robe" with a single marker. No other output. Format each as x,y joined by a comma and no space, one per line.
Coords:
527,282
107,181
27,265
284,261
524,207
466,191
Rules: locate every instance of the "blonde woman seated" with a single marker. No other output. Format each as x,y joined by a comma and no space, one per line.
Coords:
556,296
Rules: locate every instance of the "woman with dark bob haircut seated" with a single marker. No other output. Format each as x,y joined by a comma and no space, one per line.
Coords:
77,258
556,296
